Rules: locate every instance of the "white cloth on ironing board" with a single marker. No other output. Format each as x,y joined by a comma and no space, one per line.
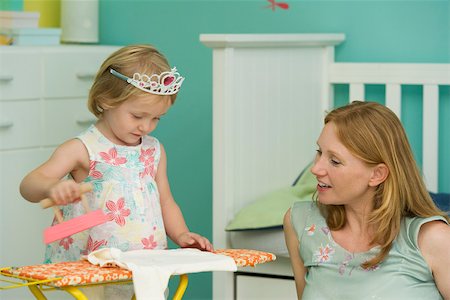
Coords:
153,268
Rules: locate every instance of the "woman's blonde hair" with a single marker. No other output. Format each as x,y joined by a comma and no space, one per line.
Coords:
373,133
109,91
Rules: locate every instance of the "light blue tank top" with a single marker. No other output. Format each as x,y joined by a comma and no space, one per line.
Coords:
335,273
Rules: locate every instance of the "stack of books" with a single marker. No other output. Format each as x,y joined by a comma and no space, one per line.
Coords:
21,28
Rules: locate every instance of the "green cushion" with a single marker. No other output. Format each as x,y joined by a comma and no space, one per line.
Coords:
269,209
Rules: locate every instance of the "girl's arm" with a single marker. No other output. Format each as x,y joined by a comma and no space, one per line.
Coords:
45,180
174,223
293,248
434,243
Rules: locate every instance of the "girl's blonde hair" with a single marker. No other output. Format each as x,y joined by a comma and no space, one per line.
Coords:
373,133
110,91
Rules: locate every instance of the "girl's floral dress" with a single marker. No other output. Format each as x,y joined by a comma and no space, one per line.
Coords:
125,189
335,273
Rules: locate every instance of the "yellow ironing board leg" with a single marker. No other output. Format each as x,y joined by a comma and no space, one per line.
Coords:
75,292
72,290
37,292
182,285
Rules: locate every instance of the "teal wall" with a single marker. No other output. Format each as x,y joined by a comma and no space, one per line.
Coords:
11,4
376,31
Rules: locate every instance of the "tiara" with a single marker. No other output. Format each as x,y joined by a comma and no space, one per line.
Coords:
166,83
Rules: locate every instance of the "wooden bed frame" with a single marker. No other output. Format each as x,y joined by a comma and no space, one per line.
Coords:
270,93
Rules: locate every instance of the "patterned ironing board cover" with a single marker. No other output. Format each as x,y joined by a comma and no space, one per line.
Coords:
82,272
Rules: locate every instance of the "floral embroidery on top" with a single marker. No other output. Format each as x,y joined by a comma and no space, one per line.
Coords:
93,245
117,211
111,157
66,242
323,254
325,230
348,258
93,172
147,156
149,243
310,229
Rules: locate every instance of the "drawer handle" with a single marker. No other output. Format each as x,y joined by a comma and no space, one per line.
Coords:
85,75
6,78
85,121
5,124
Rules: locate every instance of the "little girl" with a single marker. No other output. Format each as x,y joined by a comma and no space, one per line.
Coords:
133,89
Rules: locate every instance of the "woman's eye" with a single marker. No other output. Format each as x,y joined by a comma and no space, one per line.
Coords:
335,162
137,117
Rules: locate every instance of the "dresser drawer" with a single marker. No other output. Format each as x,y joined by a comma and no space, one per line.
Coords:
258,288
70,71
65,119
20,76
20,125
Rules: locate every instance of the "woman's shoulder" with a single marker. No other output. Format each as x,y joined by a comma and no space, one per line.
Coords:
434,245
426,234
415,226
303,205
304,208
303,212
434,235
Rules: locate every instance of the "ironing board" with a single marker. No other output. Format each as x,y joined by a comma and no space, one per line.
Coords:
71,276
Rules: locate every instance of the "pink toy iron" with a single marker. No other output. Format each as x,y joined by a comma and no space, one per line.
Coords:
75,225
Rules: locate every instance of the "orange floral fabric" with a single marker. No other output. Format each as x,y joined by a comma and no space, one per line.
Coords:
247,257
82,272
71,273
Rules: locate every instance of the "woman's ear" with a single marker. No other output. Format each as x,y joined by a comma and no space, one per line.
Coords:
379,175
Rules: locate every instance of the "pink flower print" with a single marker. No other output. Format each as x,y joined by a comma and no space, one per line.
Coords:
66,242
148,170
325,230
147,156
93,245
323,254
117,211
311,229
149,243
93,172
111,157
345,263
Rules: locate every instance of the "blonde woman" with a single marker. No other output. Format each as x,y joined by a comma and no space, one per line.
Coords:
373,232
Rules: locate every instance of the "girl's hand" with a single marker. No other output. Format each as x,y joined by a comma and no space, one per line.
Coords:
65,192
193,240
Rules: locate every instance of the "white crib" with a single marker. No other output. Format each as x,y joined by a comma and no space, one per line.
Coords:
270,93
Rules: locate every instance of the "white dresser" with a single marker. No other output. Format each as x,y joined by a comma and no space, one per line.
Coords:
43,95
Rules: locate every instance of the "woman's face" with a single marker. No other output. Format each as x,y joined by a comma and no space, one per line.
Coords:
343,179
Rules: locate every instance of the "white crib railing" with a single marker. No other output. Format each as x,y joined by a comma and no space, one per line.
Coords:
393,76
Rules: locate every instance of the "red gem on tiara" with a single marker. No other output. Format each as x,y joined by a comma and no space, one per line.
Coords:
168,80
